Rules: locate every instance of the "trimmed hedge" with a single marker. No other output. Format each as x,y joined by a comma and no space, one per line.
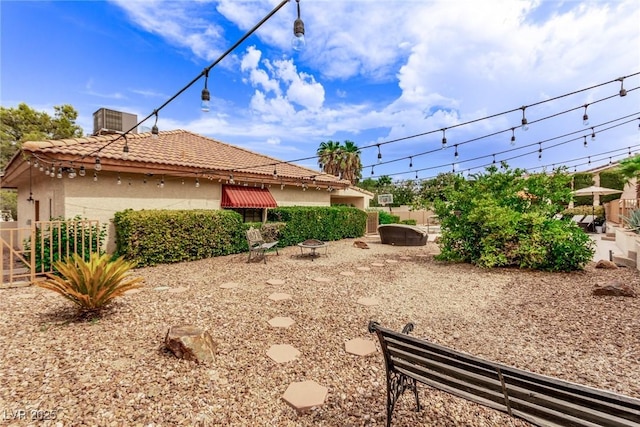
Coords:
322,223
151,237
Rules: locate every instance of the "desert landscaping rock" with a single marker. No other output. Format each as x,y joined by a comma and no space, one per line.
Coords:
305,395
133,291
162,288
615,289
283,353
368,301
190,343
178,290
321,279
115,369
347,273
278,296
275,282
281,322
360,347
363,269
230,285
377,264
391,261
603,263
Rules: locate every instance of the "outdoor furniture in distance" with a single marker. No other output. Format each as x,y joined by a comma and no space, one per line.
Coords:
313,245
539,399
402,235
577,219
587,223
258,246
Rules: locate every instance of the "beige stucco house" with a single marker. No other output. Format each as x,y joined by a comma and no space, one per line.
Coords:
96,176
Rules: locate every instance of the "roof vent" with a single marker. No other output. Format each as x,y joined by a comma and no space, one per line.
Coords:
107,121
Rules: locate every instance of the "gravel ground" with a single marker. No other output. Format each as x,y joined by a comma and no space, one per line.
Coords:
115,371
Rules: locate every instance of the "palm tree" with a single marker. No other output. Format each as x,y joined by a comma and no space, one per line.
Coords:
340,160
630,169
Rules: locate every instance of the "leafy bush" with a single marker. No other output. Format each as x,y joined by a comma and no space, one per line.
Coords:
387,218
63,238
150,237
91,285
409,222
323,223
503,219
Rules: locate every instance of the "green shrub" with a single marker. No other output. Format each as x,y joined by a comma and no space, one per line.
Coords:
633,221
409,222
65,237
323,223
150,237
385,217
504,219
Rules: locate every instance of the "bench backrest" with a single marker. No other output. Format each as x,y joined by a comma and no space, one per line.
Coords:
541,400
254,237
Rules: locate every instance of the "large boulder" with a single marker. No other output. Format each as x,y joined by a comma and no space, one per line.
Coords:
614,289
190,343
609,265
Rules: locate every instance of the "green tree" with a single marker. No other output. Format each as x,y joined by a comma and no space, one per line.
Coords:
23,123
340,159
630,169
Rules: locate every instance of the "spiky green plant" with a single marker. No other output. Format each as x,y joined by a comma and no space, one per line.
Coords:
91,284
633,221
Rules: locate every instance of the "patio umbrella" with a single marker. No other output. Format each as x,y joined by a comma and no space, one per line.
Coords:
595,190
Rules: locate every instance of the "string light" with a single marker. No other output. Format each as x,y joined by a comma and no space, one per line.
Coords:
525,123
623,91
95,176
593,135
231,181
275,173
125,150
72,173
589,160
416,174
585,116
82,171
154,129
513,136
119,182
59,175
444,139
455,155
98,166
540,151
379,154
494,159
585,141
205,96
197,183
372,170
298,42
410,162
162,182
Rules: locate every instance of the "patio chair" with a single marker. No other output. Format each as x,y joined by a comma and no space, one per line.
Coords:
258,246
577,219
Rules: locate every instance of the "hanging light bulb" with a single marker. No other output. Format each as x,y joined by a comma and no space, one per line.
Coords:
95,176
36,164
82,171
589,160
197,183
494,159
513,136
162,182
275,173
585,141
623,91
525,123
119,182
379,154
297,41
205,96
46,172
585,116
444,139
593,135
98,166
231,181
540,152
371,170
72,173
154,129
416,174
125,150
410,162
455,155
41,167
59,175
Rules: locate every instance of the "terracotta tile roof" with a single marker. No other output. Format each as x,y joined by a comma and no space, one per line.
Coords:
178,150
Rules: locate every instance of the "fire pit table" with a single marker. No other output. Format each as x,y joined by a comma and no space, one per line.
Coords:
312,245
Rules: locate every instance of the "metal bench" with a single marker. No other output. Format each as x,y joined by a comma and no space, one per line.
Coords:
538,399
258,246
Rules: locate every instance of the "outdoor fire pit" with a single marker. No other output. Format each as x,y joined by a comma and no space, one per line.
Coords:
312,245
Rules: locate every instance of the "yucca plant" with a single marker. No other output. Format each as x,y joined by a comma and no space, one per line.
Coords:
91,284
633,221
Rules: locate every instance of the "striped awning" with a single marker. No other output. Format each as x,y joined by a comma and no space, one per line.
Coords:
246,197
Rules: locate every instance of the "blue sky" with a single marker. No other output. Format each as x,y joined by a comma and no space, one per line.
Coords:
372,71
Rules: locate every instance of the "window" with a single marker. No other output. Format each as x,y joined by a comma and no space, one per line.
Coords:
249,214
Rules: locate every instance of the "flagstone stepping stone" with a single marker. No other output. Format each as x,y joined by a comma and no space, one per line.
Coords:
275,282
177,290
132,291
377,264
279,296
363,269
283,353
281,322
368,301
391,261
305,395
347,273
230,285
405,258
162,288
360,347
321,279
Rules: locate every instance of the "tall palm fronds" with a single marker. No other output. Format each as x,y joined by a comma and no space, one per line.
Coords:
340,159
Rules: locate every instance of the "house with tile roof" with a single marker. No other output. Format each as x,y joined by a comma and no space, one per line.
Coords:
95,176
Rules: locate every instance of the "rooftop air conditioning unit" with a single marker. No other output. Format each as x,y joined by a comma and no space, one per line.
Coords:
107,121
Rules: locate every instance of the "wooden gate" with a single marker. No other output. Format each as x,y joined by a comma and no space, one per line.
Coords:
372,222
17,257
28,252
